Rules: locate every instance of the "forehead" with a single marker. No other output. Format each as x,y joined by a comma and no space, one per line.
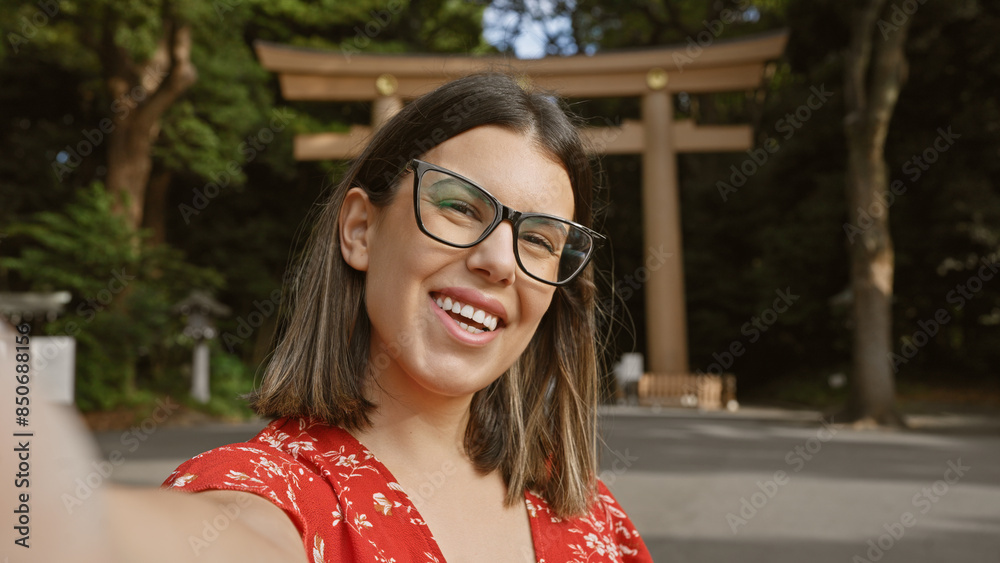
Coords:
511,166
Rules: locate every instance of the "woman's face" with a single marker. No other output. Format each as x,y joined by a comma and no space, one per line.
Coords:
420,349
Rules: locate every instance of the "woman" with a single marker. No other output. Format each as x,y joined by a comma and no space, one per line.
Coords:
435,388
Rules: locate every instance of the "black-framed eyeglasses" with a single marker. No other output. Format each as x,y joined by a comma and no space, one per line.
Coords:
456,211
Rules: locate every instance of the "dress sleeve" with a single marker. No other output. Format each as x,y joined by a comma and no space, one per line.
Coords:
630,544
269,473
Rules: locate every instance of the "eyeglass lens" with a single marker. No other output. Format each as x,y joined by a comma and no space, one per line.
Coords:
459,213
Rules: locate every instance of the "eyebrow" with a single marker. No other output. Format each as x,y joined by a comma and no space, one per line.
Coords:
479,191
462,177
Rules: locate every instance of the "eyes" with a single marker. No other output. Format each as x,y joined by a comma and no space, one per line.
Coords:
459,213
453,194
451,206
542,234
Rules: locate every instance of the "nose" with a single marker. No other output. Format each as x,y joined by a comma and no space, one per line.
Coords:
494,256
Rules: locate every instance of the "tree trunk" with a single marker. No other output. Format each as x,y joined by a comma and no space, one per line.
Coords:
129,163
142,93
154,216
874,73
872,266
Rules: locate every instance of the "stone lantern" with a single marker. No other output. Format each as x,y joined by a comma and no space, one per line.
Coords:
53,357
200,308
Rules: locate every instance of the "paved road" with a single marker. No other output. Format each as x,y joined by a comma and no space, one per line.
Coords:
754,487
709,489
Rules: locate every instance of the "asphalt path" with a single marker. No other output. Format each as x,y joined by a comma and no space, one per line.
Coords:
755,486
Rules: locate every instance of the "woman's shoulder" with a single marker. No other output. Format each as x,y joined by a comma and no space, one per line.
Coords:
340,497
287,449
299,465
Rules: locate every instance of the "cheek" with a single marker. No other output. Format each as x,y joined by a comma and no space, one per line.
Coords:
377,305
535,306
385,286
400,262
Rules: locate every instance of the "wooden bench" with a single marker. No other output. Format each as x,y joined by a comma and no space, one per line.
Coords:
704,391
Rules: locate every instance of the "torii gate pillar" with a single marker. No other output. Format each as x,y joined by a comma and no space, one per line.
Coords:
666,333
387,103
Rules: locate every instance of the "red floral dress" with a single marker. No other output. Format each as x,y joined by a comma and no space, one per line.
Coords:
348,507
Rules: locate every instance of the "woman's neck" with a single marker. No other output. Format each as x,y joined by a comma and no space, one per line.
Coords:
413,423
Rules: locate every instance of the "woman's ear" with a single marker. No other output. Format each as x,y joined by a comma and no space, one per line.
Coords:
357,217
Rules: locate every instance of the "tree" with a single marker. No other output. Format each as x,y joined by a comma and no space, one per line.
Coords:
120,310
223,137
153,86
123,78
142,55
874,72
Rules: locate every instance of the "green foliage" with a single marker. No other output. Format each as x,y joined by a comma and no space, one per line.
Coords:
782,229
944,223
230,381
60,234
122,292
375,26
77,238
588,26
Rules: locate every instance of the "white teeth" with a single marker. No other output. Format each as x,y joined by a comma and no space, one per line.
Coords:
469,312
471,329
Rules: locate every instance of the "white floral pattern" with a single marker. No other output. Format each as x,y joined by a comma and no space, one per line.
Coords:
348,507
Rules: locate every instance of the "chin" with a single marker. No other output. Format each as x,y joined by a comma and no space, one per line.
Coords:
447,382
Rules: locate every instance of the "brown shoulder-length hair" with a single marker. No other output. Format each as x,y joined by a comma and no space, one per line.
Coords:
537,422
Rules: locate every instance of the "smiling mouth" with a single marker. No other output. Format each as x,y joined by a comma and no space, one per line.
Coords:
468,318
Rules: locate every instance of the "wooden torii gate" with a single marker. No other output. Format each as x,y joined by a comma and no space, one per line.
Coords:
653,74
